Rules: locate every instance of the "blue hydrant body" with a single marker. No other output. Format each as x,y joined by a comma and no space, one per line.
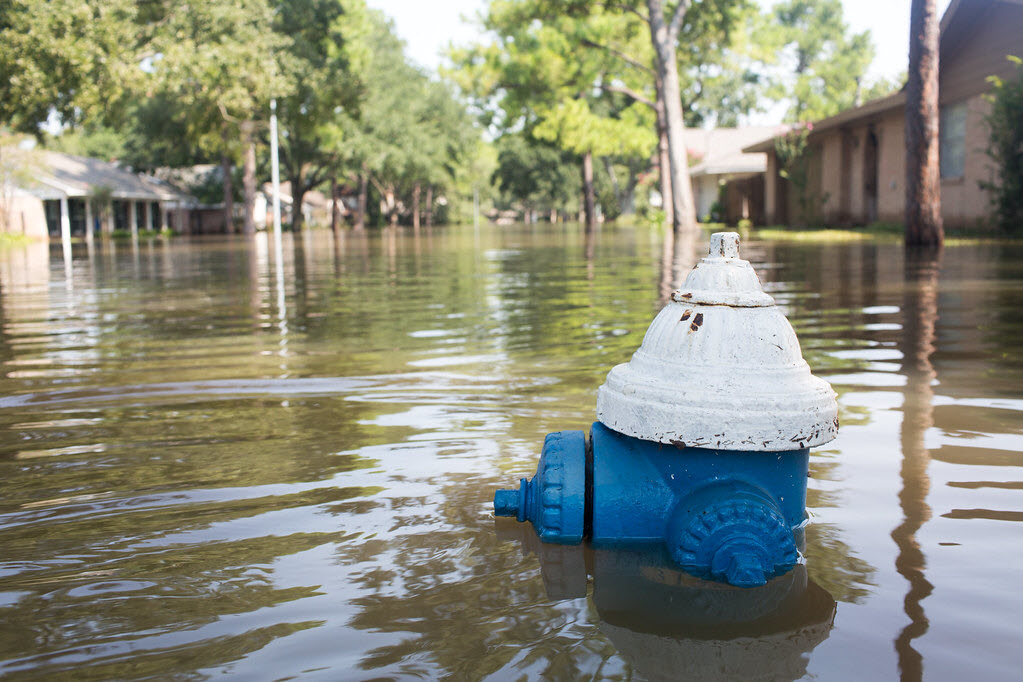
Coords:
703,438
722,515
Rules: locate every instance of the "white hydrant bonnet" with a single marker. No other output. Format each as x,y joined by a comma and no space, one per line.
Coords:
720,367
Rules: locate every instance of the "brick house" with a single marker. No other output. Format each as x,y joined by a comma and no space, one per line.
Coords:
856,159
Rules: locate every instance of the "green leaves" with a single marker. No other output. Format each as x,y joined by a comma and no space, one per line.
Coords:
75,58
827,61
1005,148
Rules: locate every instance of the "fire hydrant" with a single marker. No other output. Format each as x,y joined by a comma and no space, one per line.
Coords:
703,438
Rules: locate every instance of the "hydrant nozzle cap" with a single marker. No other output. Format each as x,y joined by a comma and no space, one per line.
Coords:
720,367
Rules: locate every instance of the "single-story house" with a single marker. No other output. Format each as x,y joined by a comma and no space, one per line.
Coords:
66,195
728,183
855,171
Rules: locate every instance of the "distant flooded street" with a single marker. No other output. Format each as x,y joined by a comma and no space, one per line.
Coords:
204,477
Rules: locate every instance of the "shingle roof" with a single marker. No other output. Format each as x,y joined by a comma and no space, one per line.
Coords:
78,176
720,150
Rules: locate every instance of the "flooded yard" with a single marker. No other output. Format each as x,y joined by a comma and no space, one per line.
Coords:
204,475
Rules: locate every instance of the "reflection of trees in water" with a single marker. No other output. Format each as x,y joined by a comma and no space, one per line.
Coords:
833,565
920,315
678,255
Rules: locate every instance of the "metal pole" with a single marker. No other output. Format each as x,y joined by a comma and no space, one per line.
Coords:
133,218
90,226
65,238
275,173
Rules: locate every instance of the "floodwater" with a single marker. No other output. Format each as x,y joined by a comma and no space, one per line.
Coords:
204,475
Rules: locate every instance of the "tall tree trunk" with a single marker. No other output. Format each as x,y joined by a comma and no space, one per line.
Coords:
297,194
923,181
609,168
391,204
249,176
663,36
335,210
663,157
629,194
225,171
589,200
360,215
416,191
429,206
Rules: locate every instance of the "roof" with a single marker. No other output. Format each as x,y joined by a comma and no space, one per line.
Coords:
79,176
959,19
720,150
872,107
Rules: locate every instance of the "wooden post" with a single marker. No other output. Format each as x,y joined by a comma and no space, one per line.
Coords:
429,206
416,190
110,217
149,215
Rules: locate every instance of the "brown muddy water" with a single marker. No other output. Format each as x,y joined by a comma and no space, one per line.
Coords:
199,481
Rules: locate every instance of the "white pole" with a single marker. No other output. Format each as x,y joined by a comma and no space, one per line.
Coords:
133,218
275,177
89,226
275,172
65,237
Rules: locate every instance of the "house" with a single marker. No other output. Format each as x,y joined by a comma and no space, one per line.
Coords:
60,194
728,183
855,161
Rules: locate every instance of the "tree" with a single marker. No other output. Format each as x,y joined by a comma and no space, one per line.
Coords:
923,189
219,63
1005,148
324,62
411,135
71,59
827,62
664,31
533,78
539,175
718,60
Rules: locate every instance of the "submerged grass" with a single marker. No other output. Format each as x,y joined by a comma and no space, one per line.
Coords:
875,231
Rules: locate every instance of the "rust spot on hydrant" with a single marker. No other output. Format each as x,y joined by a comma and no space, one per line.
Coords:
697,321
685,316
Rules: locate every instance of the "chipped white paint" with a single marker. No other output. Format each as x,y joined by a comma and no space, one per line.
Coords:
720,367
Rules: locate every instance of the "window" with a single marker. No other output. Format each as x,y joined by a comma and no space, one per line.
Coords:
953,140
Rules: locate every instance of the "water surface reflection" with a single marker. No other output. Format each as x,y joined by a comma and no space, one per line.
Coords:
202,479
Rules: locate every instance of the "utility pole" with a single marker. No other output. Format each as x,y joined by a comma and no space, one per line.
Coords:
275,177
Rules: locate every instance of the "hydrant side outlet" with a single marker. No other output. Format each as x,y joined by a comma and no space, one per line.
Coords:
555,500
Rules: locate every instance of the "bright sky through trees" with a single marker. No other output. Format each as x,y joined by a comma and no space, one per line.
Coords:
427,27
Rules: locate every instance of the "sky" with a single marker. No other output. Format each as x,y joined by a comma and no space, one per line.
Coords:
428,26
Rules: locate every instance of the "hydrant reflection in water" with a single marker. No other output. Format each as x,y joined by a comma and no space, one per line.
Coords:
703,438
670,626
